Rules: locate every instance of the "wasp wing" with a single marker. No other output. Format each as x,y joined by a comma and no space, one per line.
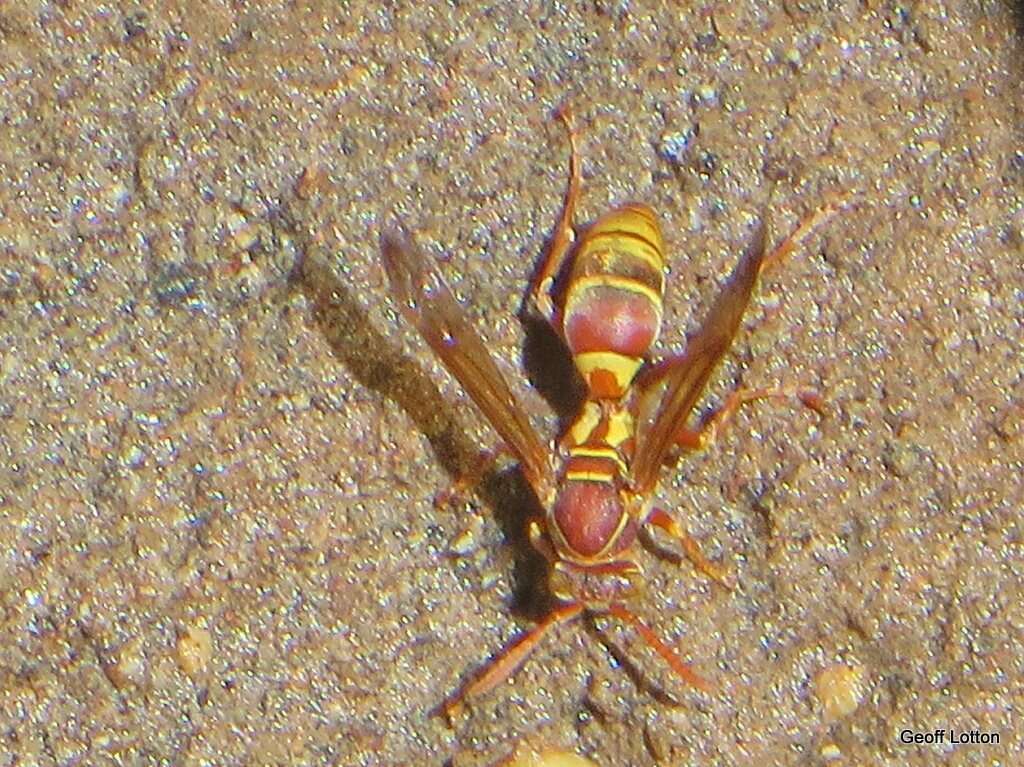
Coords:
670,391
428,304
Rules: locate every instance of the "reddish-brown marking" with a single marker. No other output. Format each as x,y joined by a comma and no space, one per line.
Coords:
592,464
603,384
599,436
610,319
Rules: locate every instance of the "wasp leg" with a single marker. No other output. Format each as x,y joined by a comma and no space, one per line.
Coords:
506,664
833,204
562,238
665,521
711,427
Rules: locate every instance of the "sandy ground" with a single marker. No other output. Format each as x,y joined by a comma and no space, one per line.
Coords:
220,445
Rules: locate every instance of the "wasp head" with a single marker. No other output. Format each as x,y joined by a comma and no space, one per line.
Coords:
598,585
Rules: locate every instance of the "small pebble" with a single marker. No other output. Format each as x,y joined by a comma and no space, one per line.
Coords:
464,542
830,752
840,689
195,648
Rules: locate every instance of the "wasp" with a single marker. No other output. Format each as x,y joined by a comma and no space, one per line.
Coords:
596,483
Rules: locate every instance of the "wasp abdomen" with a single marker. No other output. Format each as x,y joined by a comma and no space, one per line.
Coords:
612,310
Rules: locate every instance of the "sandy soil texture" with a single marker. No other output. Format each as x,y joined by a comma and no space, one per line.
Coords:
220,445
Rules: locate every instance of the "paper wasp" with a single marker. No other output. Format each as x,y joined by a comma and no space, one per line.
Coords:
596,483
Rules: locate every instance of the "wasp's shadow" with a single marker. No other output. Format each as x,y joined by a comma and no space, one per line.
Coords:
375,359
546,359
